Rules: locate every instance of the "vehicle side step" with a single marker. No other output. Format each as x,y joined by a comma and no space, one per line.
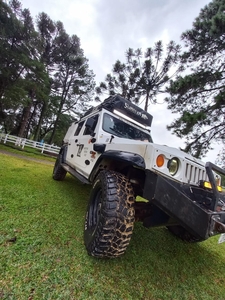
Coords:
75,173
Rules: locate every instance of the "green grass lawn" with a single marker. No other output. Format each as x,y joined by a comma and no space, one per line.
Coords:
42,255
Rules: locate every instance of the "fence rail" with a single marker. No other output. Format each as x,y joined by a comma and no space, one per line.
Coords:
22,142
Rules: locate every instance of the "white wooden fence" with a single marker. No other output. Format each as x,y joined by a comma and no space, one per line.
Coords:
22,142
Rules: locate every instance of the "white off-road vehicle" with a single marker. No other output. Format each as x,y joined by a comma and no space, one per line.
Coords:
134,179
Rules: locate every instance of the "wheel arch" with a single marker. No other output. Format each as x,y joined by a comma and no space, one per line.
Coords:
120,161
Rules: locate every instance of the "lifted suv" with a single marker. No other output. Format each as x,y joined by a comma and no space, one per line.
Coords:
134,179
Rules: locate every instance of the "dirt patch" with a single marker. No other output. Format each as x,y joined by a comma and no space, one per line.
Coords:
4,152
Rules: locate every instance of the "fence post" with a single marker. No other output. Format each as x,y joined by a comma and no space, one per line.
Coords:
18,141
23,143
43,147
5,140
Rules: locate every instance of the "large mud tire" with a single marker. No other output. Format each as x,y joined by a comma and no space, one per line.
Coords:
183,234
58,172
110,215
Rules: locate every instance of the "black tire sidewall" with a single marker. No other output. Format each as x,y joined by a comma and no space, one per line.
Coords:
59,172
57,163
90,233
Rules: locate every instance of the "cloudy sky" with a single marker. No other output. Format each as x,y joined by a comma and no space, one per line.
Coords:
107,28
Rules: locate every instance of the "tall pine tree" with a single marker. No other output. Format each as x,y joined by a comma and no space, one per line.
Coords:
199,97
143,76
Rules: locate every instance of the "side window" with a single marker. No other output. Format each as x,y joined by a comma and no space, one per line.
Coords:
108,124
89,130
79,128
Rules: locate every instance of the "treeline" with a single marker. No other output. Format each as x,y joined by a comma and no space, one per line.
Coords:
45,80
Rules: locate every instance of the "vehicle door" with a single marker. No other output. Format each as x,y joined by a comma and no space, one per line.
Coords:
80,149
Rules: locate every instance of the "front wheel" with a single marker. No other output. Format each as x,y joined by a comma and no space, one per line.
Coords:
59,172
110,215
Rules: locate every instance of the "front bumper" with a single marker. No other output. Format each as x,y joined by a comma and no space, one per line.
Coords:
199,211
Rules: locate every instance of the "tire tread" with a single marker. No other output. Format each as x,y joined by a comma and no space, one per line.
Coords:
116,224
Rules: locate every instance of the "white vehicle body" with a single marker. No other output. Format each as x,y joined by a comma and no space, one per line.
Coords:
112,149
80,154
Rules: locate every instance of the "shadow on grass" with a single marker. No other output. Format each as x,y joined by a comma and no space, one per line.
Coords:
155,260
157,263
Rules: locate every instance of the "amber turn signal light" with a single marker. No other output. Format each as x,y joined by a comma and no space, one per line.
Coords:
160,160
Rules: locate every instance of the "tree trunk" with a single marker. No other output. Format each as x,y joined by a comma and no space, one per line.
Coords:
146,101
54,129
37,133
57,118
24,121
30,119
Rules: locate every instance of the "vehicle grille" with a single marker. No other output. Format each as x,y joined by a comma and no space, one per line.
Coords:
194,174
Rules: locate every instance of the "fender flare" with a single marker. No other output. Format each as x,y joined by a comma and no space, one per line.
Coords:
63,152
130,158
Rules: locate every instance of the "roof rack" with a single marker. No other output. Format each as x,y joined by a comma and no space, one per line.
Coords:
124,106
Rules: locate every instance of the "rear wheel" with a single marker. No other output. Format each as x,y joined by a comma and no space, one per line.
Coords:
183,234
110,215
59,172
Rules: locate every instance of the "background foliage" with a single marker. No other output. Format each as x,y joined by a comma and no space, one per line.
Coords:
144,75
199,96
45,81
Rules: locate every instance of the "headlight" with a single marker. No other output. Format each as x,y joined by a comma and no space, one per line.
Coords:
173,165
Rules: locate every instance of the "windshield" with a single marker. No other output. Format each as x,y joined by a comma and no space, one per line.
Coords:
122,129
